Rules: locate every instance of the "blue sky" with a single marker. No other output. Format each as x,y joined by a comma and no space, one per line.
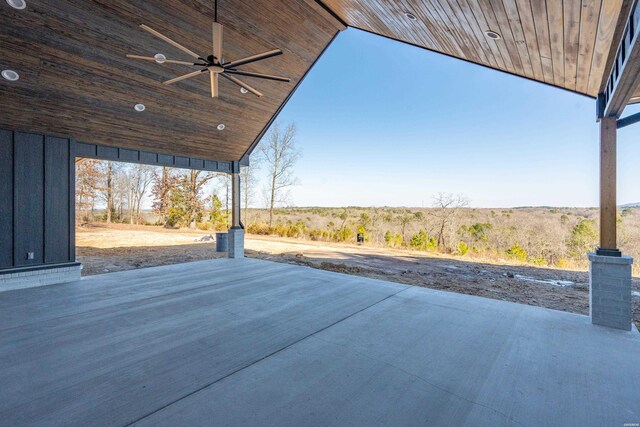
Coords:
384,123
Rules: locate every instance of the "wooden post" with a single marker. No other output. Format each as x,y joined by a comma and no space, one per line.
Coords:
235,197
608,207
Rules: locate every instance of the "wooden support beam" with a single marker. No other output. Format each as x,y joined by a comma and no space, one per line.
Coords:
624,76
608,205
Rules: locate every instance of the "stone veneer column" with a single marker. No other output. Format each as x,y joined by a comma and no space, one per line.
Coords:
236,243
610,291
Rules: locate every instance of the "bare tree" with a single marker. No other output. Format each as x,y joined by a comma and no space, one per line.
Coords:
404,220
222,186
139,179
109,174
109,190
446,207
194,181
163,183
120,190
248,182
88,184
280,154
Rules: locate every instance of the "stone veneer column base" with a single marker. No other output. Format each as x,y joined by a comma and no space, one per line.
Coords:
236,243
610,291
33,277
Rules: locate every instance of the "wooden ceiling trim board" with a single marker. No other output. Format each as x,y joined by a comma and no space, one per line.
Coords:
427,22
363,16
572,22
540,20
556,33
463,28
484,6
467,15
438,23
451,22
478,16
325,11
523,8
419,31
522,67
426,27
517,29
588,29
613,14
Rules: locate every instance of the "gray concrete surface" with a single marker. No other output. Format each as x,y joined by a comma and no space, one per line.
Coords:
610,291
249,342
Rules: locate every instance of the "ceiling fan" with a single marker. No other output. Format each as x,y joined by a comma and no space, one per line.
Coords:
213,64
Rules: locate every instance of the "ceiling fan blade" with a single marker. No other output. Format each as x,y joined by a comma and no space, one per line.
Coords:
217,41
253,58
258,75
241,84
169,61
214,83
186,76
168,40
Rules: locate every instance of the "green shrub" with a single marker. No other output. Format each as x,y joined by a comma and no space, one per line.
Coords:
539,261
204,226
258,228
362,230
432,245
463,248
583,238
388,238
280,230
479,231
419,240
317,234
343,234
517,252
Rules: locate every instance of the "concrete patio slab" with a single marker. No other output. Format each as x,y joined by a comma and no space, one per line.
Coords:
248,342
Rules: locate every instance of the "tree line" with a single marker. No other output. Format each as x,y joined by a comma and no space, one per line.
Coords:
554,237
117,192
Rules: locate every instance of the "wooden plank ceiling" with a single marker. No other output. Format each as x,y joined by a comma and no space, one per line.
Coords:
76,81
564,43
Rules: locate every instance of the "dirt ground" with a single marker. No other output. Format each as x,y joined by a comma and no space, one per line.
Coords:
107,248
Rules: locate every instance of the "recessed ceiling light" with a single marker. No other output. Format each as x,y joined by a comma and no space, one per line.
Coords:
221,126
243,90
492,35
10,75
160,58
17,4
139,108
410,16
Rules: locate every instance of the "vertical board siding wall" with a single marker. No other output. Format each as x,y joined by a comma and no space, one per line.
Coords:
36,200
